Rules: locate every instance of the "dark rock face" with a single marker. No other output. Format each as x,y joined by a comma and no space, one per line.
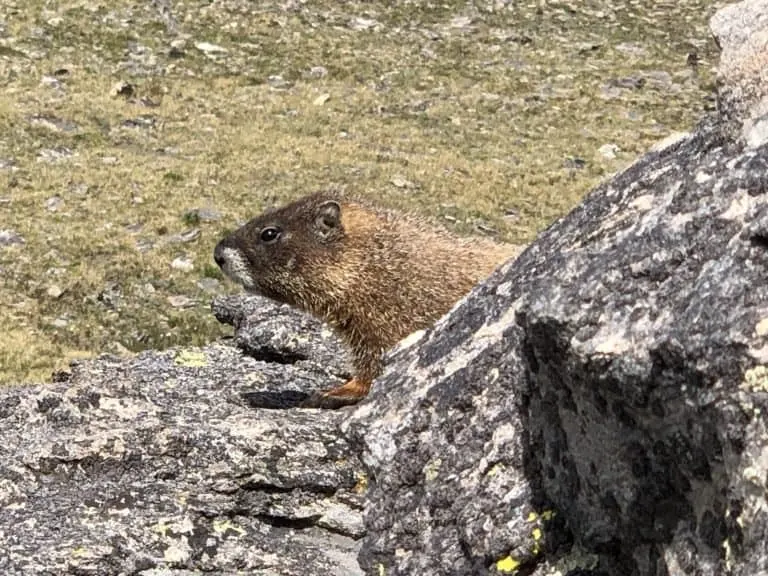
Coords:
613,378
613,373
639,349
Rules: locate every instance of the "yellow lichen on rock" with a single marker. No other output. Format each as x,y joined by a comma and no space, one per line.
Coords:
191,358
507,564
756,379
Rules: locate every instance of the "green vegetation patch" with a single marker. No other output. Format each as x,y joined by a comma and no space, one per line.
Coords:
492,118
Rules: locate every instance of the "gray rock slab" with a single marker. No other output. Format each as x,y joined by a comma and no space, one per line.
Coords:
608,388
161,463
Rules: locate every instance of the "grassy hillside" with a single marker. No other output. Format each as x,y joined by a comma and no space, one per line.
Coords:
133,134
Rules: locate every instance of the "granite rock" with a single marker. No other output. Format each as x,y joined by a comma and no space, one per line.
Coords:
164,463
596,407
607,389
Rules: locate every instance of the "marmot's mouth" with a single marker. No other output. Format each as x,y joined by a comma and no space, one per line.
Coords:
234,265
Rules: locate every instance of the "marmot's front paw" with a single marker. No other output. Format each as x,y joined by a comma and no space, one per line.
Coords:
346,395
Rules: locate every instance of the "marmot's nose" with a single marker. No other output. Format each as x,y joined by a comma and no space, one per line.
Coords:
218,254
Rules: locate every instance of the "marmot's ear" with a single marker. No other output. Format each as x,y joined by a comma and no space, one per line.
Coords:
328,218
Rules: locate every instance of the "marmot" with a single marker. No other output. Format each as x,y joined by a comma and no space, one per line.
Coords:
373,275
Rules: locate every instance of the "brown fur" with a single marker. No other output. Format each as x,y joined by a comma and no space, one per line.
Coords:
374,275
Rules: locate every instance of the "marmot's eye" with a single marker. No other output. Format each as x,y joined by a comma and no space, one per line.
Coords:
270,234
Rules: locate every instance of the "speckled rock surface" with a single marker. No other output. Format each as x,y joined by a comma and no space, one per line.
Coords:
445,441
610,386
643,348
280,334
741,31
162,464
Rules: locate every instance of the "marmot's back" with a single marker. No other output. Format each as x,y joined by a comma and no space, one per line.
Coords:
416,271
375,275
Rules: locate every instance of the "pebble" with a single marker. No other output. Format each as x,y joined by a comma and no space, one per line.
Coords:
461,22
118,349
609,151
144,245
180,301
54,291
401,182
54,203
204,214
50,82
9,238
145,121
511,214
55,155
322,99
359,23
631,48
182,263
123,89
208,48
756,134
485,228
52,123
318,72
184,237
278,82
210,285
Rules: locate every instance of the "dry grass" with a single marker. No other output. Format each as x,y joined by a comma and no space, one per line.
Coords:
491,121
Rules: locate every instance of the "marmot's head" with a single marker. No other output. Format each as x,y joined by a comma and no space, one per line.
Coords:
283,252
